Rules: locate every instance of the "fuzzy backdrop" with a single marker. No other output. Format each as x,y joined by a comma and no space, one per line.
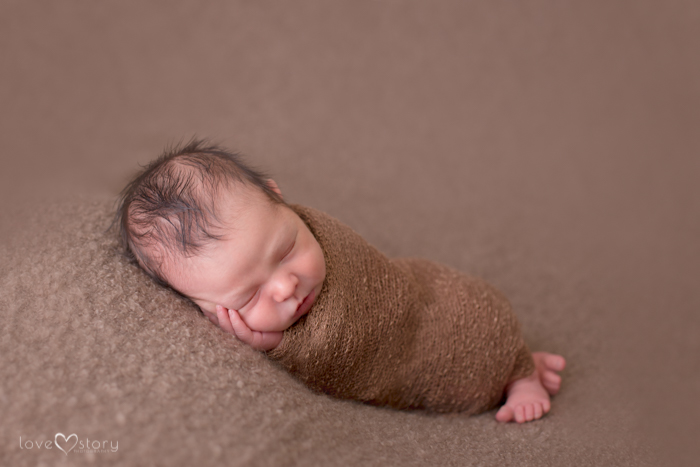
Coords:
549,147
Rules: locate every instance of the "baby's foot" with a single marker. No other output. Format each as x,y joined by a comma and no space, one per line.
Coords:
528,398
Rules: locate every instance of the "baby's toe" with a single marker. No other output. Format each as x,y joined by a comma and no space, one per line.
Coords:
520,414
529,412
538,411
551,382
504,414
555,362
546,405
551,377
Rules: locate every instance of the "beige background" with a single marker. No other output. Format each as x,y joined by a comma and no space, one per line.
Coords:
551,147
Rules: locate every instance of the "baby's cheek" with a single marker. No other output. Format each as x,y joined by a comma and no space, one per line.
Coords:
312,264
259,318
249,321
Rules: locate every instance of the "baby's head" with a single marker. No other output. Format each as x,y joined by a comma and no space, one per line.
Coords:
198,220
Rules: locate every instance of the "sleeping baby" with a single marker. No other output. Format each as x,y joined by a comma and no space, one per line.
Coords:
317,298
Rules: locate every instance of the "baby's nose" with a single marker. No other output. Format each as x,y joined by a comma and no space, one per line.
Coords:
285,288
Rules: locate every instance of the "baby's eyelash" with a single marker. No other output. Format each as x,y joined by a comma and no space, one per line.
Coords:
289,250
249,300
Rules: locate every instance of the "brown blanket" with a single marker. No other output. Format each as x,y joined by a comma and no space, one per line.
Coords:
407,333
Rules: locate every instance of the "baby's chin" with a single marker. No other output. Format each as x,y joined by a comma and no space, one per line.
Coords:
300,313
280,327
303,310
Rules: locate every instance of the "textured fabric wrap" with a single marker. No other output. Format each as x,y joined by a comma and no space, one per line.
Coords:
405,333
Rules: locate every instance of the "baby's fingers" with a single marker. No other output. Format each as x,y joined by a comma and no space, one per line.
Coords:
224,319
233,324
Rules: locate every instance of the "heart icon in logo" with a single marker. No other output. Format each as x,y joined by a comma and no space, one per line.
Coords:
65,440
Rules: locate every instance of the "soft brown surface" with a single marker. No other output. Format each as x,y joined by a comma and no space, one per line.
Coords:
405,333
549,147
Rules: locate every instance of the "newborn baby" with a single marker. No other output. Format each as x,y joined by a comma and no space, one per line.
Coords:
334,311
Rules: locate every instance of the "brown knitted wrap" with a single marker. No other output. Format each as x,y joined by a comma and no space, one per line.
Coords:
407,333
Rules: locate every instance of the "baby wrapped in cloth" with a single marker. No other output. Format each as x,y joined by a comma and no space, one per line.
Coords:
406,333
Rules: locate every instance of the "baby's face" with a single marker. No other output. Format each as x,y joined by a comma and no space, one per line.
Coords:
268,266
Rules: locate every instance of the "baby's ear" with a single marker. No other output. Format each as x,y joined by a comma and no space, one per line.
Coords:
272,184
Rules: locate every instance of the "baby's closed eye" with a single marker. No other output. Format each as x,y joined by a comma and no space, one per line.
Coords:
250,300
288,251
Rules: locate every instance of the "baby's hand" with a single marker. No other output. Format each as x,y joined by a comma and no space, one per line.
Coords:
231,322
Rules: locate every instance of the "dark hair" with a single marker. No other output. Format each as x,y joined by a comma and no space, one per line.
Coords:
171,202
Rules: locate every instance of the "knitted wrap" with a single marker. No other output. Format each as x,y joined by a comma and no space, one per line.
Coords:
405,333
